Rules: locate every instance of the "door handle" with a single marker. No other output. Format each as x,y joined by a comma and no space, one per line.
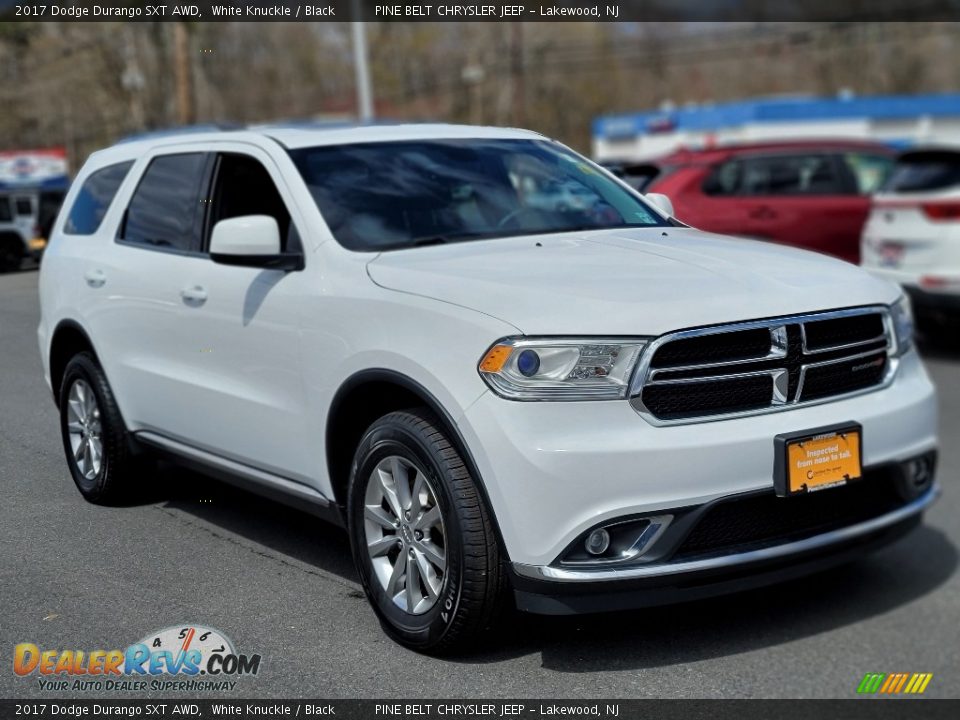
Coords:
95,278
194,296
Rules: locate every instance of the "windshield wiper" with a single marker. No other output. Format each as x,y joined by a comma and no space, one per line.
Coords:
431,240
428,240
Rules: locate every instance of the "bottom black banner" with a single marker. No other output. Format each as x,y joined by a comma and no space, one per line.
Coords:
859,709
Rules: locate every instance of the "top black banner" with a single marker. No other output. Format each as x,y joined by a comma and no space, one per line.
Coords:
482,11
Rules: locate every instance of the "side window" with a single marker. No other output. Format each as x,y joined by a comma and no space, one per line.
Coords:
165,211
94,198
5,214
870,172
23,206
791,175
724,179
244,187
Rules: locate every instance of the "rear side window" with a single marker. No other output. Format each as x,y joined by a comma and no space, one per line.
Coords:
165,211
94,199
791,175
923,171
778,175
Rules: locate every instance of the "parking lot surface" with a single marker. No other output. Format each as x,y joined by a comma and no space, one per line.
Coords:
280,583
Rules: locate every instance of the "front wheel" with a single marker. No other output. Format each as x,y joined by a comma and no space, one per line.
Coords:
422,538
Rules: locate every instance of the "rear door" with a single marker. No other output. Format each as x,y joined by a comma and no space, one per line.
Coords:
131,286
809,200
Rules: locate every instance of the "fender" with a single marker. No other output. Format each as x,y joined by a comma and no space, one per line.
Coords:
449,425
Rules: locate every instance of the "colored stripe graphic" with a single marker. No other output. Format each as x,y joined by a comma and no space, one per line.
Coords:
894,683
871,682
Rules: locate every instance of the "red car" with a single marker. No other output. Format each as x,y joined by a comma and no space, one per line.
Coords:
812,194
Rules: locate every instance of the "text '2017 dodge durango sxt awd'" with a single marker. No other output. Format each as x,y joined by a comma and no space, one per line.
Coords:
578,407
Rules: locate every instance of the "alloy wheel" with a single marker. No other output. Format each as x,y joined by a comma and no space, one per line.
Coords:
83,426
405,535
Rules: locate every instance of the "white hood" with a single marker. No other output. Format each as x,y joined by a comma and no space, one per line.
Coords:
627,281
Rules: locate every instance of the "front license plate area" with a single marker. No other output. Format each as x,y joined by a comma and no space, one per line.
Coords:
819,459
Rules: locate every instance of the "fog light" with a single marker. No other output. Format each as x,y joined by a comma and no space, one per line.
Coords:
597,542
919,471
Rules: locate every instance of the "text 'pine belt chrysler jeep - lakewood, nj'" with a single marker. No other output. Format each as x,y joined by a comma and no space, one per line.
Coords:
571,407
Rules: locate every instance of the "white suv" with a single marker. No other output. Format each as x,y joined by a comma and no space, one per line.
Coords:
912,235
577,410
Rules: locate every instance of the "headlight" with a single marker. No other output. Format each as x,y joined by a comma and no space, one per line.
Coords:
561,368
902,317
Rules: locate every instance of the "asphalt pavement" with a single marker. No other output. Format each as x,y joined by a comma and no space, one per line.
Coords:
281,584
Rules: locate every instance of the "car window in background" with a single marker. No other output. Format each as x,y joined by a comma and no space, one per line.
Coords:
93,199
810,174
388,195
925,170
165,209
5,214
50,203
639,176
24,206
244,187
870,172
724,179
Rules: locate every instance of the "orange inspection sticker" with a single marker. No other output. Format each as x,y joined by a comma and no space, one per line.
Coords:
823,461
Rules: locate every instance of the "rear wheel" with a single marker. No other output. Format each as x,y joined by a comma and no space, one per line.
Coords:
94,436
422,538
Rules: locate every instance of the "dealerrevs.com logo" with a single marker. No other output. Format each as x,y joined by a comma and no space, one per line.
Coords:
189,658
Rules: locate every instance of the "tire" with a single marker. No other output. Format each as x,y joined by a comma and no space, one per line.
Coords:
938,330
89,414
11,254
453,605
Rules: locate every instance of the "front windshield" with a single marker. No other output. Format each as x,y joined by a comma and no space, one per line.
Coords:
389,195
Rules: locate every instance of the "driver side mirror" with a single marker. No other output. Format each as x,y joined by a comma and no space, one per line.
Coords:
661,202
251,241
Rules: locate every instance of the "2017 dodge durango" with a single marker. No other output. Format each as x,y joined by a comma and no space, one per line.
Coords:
571,408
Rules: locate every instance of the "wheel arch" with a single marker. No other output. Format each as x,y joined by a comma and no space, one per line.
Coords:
68,339
374,393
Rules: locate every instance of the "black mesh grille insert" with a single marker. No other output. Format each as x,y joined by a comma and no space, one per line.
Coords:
676,401
720,347
843,331
762,520
843,377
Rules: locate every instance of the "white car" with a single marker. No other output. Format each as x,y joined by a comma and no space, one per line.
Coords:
498,402
912,235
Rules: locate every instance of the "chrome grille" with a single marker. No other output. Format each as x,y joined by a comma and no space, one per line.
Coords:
764,365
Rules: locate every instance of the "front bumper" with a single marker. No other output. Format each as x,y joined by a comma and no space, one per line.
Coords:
552,471
560,591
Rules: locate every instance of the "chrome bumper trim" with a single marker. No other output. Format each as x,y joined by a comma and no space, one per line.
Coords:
565,574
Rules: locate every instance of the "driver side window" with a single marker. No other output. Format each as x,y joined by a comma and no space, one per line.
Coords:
244,187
